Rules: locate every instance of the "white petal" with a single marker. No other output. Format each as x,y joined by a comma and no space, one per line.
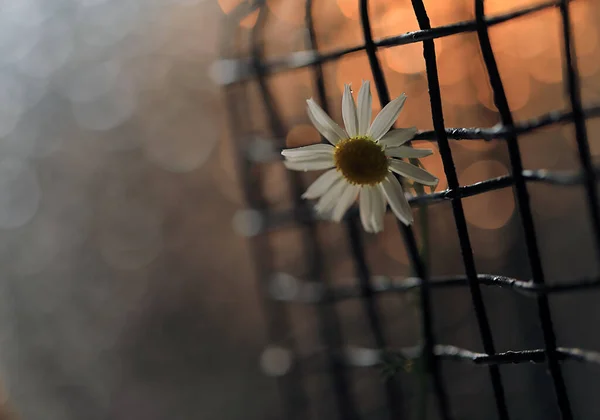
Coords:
346,200
386,118
328,201
326,126
364,108
316,163
377,209
396,138
365,207
413,172
407,152
349,112
322,184
313,149
394,195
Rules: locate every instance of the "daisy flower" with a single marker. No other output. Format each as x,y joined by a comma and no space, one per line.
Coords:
360,159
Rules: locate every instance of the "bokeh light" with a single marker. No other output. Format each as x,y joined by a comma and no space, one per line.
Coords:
276,361
20,193
493,209
517,85
408,58
292,13
302,135
432,163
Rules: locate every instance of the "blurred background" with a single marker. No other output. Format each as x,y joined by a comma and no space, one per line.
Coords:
128,290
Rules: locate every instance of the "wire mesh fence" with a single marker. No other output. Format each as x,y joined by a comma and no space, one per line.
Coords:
257,68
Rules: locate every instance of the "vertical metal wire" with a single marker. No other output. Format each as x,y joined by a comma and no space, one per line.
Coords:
393,396
457,207
430,361
277,319
329,325
571,76
522,196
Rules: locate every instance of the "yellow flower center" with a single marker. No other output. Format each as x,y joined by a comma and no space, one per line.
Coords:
361,160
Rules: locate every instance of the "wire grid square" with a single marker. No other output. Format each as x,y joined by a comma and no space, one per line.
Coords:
256,67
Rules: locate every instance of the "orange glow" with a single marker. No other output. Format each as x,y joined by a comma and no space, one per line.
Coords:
288,11
302,135
584,28
478,145
459,60
516,82
354,69
463,93
539,34
349,8
444,12
291,89
588,65
546,69
455,63
227,6
416,111
250,20
493,209
275,191
497,7
432,163
405,58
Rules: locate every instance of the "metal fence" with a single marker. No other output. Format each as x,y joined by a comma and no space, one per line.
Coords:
255,68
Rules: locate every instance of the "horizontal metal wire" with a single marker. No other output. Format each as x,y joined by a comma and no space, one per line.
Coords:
273,220
241,70
308,292
498,132
367,357
501,132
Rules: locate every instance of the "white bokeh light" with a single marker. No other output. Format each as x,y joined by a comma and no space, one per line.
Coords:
276,361
85,81
25,12
109,110
283,286
51,52
12,102
20,193
104,23
16,40
248,222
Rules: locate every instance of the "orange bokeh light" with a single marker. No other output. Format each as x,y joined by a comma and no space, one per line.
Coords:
516,81
354,69
432,163
349,8
493,209
408,58
288,11
455,62
497,7
302,135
